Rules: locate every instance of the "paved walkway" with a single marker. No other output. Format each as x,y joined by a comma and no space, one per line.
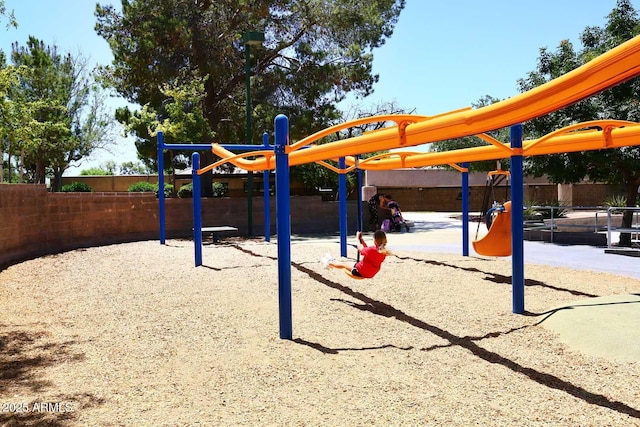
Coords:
605,326
442,232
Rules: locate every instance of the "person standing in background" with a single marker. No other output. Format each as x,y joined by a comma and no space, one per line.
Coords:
377,201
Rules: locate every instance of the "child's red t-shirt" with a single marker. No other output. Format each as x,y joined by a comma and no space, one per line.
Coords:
371,261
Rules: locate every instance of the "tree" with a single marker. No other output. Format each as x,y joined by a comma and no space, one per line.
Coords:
133,168
12,113
501,135
67,120
96,171
614,166
14,116
314,54
179,118
8,14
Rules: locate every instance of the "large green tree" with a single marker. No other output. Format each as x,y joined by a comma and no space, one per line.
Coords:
314,53
41,88
9,110
14,116
617,166
67,120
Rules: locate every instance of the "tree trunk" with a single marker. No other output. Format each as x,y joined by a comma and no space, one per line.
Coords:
40,172
627,215
173,176
1,164
21,169
206,179
56,183
9,168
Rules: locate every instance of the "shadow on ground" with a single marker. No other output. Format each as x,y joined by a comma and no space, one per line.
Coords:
25,355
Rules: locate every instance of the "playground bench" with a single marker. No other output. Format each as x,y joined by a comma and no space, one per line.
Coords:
216,230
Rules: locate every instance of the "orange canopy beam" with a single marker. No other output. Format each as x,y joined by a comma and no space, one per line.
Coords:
603,124
609,69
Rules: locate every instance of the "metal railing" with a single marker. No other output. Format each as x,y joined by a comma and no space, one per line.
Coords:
553,222
634,230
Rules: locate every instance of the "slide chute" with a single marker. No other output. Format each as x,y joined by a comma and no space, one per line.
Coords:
497,242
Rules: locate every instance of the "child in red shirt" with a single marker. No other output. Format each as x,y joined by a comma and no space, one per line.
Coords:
372,257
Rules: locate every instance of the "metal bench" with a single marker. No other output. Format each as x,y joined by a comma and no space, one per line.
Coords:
216,230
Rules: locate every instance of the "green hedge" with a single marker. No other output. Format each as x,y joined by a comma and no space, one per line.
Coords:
219,190
148,187
186,191
76,187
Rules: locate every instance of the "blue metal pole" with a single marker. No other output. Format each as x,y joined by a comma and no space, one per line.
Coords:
161,211
465,209
207,147
197,208
247,74
359,174
342,190
266,196
192,147
517,221
283,224
245,147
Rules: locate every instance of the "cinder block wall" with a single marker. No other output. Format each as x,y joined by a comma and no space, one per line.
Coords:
34,222
448,199
236,183
594,194
110,182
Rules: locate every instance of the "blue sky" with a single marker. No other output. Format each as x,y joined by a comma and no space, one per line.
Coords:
442,56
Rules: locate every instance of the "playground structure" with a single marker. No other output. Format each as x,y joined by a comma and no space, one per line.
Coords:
613,67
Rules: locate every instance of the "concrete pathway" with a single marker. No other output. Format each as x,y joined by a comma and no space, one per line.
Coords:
442,232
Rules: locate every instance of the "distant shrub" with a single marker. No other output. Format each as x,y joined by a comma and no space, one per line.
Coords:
143,187
220,189
168,190
95,171
616,201
529,209
77,187
148,187
186,191
559,209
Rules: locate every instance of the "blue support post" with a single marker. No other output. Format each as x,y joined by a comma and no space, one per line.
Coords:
161,210
191,147
197,208
266,196
283,224
465,209
207,147
517,221
359,174
342,191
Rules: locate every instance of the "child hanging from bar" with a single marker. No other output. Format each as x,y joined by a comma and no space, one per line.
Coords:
372,257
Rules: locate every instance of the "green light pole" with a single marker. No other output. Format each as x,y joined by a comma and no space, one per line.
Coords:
250,38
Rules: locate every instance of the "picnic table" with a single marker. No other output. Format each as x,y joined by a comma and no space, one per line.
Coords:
218,229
